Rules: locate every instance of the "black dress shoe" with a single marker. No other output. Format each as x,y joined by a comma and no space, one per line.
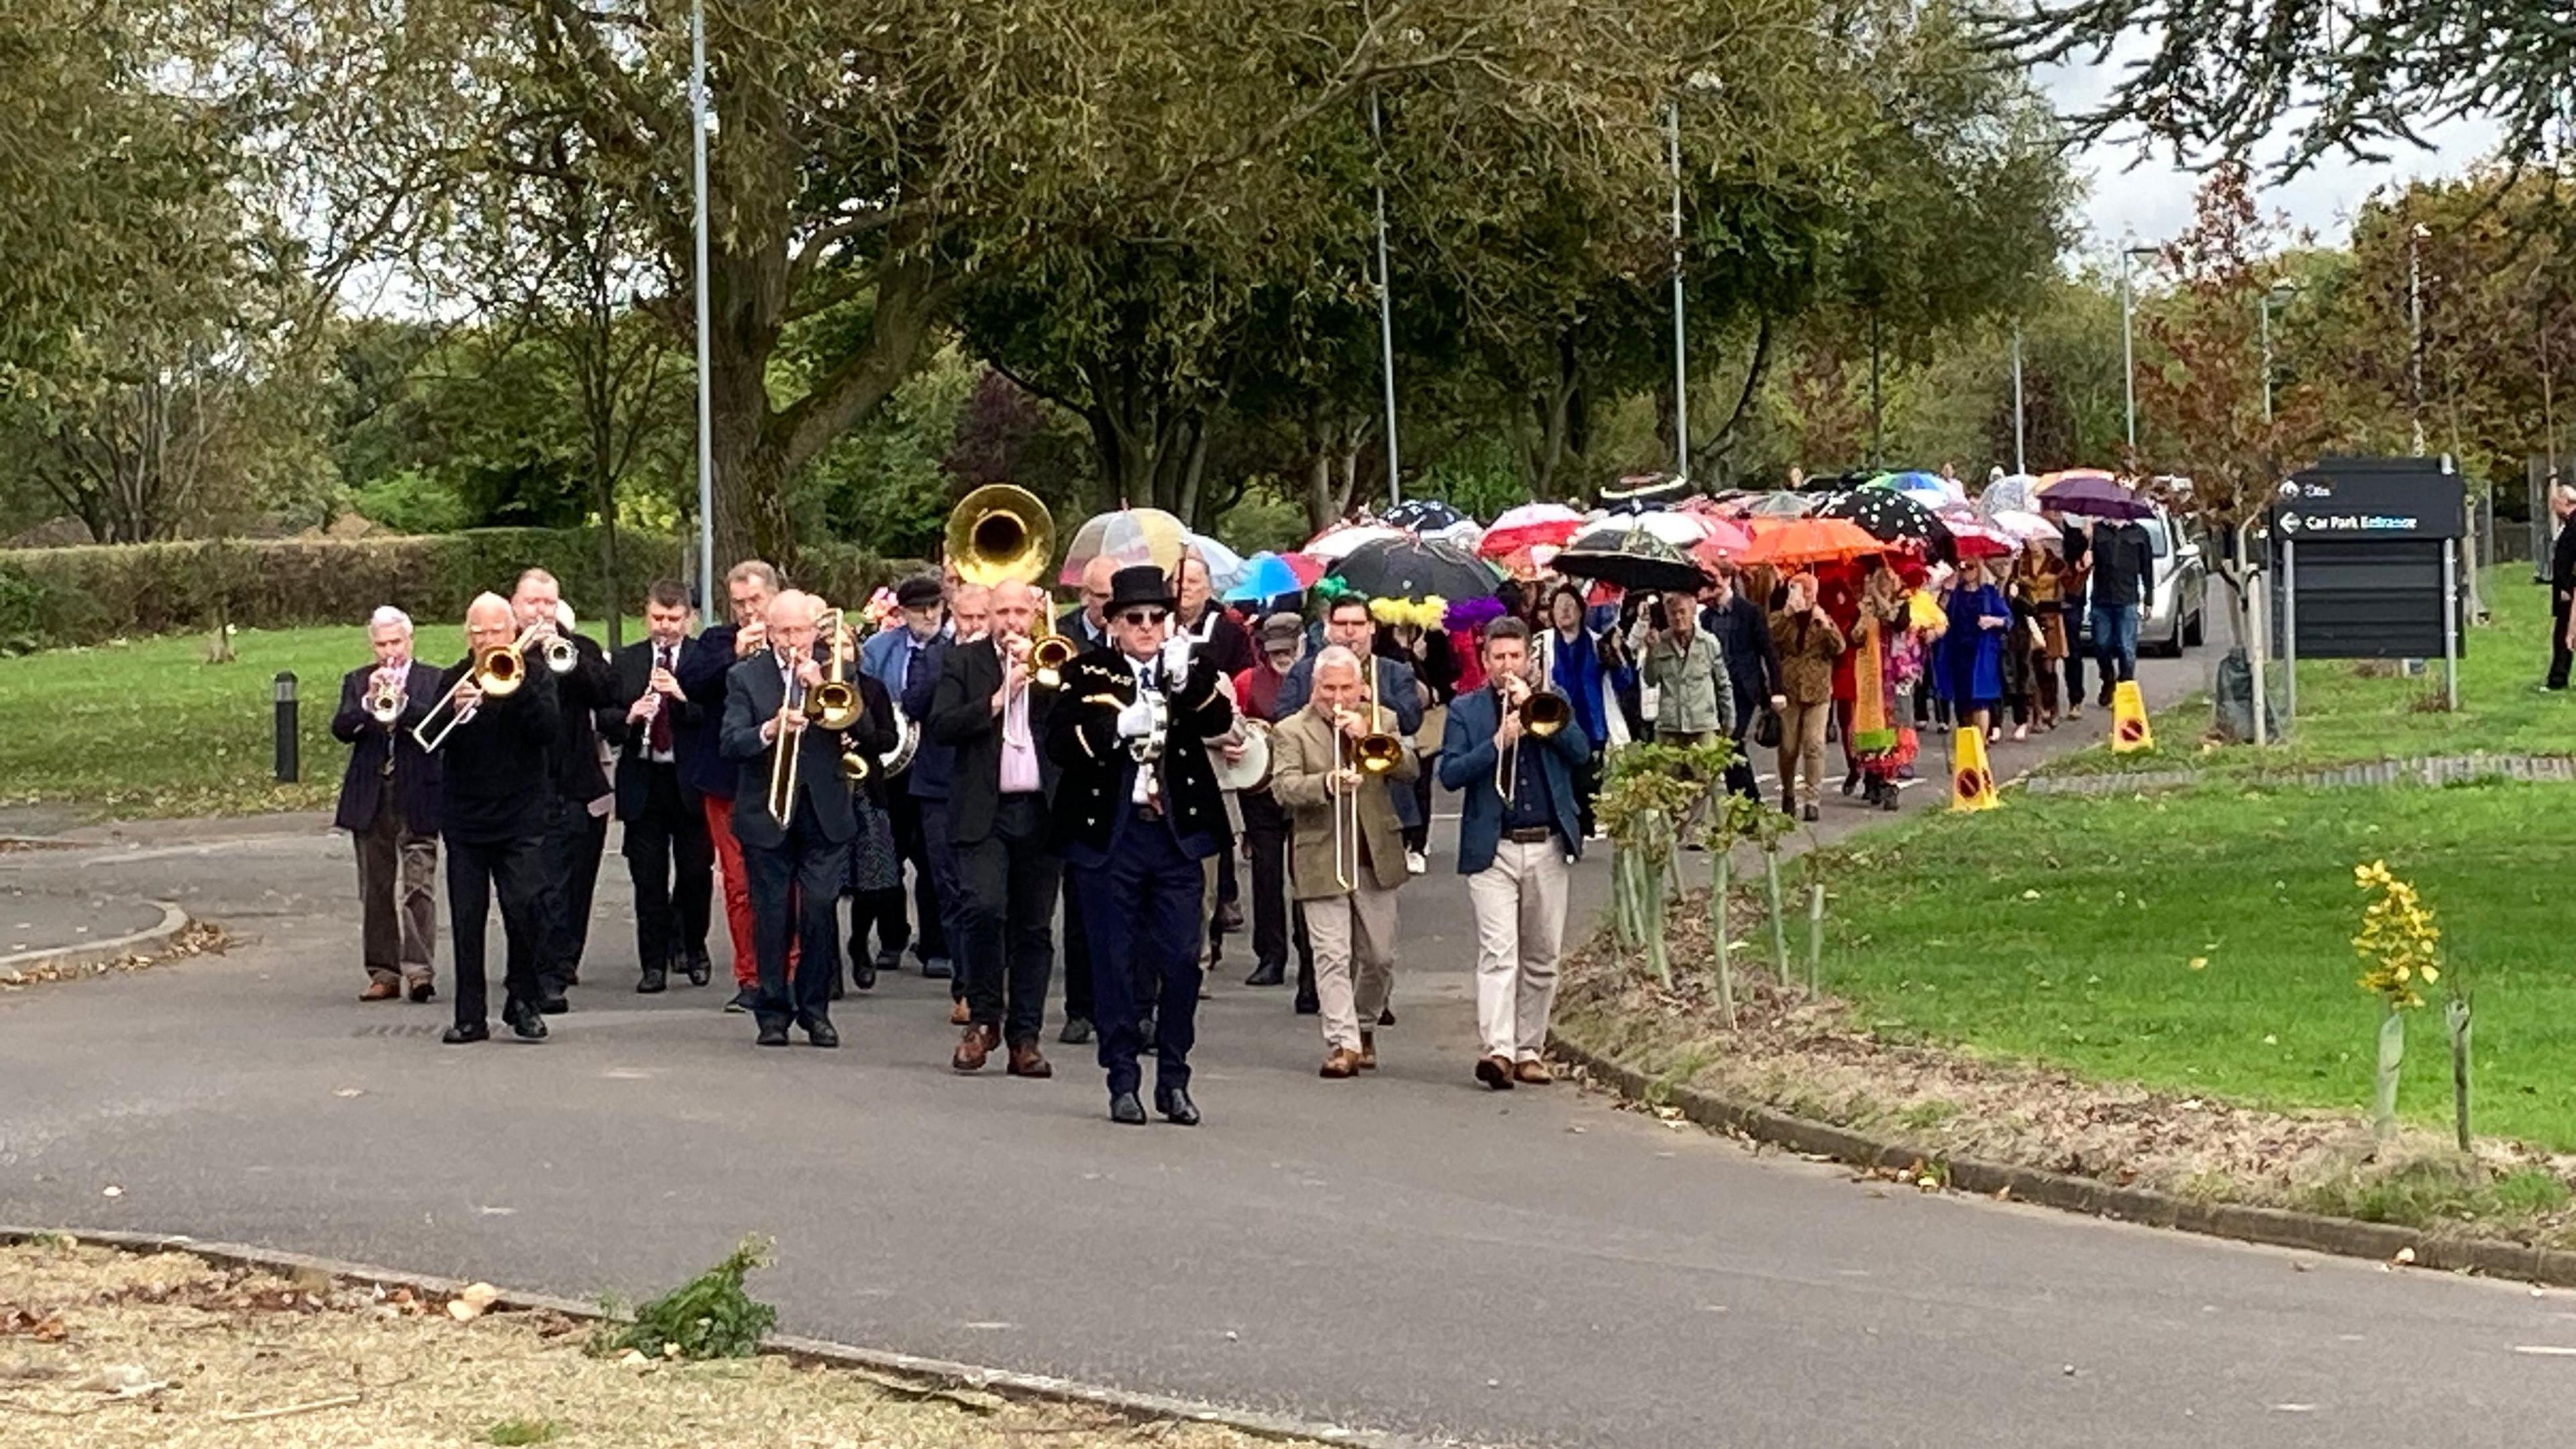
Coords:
424,991
938,968
1808,814
525,1021
773,1033
701,970
888,962
656,978
466,1031
1386,1016
1175,1105
555,1005
1077,1030
820,1032
863,972
1229,917
1125,1110
743,1000
1851,780
1267,976
1307,1005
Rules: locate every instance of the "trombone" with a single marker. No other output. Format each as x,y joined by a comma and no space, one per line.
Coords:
497,672
1003,534
832,706
1373,753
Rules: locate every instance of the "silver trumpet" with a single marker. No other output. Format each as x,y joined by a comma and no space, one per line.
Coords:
384,701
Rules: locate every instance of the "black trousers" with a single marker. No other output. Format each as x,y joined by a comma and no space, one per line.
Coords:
1142,908
2559,654
476,871
672,863
882,914
796,889
929,937
1266,832
575,840
2074,616
1078,1002
1006,889
1739,773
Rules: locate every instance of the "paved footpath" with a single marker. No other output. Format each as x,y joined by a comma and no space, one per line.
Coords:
1407,1252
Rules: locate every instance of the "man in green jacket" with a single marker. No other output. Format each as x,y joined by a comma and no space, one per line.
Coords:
1688,672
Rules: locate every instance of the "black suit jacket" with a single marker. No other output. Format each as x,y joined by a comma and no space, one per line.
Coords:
632,669
753,693
584,699
415,777
962,718
1092,794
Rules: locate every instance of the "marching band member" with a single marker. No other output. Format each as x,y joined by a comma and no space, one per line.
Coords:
1348,855
990,712
495,772
1347,623
970,614
1137,811
703,675
1265,824
1087,625
389,806
577,818
896,659
1517,840
668,854
796,864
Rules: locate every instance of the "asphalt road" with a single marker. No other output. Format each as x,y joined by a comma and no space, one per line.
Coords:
1407,1252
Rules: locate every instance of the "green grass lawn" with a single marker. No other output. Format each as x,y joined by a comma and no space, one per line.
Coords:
2066,931
149,728
2354,710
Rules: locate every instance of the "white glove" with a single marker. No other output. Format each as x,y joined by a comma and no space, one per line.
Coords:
1176,659
1136,719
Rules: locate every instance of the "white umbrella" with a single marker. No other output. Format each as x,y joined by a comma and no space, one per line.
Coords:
1335,543
2026,526
1224,565
1672,526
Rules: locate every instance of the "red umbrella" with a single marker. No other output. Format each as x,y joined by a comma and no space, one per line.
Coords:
1789,542
1529,525
1727,540
1978,541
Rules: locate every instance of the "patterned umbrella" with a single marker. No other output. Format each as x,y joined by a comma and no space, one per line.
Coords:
1893,517
1338,541
1131,536
1528,525
1674,526
1423,515
2018,491
1631,558
1973,540
1796,542
1403,567
2090,492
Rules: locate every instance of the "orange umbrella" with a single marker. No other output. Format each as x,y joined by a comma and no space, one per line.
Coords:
1790,542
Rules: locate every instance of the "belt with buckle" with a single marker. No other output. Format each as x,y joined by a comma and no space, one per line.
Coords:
1531,835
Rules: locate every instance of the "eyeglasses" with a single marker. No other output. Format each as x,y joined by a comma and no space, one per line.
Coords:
1139,618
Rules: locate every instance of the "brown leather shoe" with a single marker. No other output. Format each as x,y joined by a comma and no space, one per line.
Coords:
972,1049
1368,1051
1494,1072
959,1013
380,991
1028,1061
1339,1063
1534,1072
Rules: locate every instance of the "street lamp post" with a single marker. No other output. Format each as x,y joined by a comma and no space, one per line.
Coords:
2266,305
2128,346
2415,328
1681,369
706,386
2020,465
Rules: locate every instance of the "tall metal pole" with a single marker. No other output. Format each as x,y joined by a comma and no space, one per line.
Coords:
1681,367
706,383
2415,329
1385,314
2020,463
2128,355
2263,307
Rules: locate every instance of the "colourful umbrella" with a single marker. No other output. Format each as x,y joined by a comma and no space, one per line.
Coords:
1727,540
1893,517
1795,542
1528,525
1269,575
1131,536
1675,526
1973,540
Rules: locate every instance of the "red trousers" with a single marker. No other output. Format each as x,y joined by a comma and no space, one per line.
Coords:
737,896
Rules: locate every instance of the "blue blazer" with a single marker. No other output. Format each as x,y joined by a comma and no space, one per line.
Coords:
1467,766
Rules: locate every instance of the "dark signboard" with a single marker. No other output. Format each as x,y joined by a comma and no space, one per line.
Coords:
2366,548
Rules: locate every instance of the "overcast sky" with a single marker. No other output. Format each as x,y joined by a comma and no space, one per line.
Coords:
2152,200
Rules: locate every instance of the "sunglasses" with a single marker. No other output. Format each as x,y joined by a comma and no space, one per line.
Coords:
1141,617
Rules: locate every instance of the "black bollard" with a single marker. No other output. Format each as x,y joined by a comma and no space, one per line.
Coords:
288,744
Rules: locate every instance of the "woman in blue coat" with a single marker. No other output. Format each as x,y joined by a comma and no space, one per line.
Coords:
1972,652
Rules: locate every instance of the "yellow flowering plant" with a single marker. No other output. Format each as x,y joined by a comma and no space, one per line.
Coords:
2400,945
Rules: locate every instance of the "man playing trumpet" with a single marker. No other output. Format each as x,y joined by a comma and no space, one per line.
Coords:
389,806
1331,766
1514,766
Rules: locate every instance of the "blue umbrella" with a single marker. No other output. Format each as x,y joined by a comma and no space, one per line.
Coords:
1265,576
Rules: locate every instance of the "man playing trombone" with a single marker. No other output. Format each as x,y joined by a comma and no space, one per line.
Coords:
494,721
792,813
1511,751
389,806
1331,766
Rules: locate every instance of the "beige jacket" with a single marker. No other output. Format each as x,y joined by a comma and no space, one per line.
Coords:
1304,751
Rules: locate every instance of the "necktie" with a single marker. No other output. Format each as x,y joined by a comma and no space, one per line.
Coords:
658,738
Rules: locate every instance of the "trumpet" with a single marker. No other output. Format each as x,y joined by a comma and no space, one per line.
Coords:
497,673
384,702
560,655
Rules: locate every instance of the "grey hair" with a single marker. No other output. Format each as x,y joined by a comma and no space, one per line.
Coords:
387,616
1336,656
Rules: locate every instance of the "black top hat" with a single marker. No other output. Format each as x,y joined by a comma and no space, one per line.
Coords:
1139,584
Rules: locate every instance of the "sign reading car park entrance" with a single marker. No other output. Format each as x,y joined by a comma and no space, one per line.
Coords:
2368,561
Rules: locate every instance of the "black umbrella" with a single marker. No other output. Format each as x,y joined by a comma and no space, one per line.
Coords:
1416,569
1890,516
1422,515
1630,558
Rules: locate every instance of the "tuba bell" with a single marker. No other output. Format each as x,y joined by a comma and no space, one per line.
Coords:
1003,534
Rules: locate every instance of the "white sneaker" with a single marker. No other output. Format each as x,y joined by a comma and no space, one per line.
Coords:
1415,862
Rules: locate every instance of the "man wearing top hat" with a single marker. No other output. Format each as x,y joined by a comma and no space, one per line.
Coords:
1138,811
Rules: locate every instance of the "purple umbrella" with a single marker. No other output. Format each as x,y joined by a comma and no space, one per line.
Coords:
2096,495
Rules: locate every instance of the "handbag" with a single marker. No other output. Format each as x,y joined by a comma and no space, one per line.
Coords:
1766,728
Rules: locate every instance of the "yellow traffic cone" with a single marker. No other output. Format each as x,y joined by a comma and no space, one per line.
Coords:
2129,729
1972,785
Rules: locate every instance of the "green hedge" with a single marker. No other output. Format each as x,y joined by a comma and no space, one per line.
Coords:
59,596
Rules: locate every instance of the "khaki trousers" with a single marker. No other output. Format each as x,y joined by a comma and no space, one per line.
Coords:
1519,902
397,897
1354,937
1802,742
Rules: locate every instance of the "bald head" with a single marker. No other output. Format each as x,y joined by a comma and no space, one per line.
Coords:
790,608
1097,576
489,623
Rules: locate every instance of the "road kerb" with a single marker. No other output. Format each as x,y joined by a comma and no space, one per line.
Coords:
145,942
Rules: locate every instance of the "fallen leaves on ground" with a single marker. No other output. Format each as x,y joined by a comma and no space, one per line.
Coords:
197,938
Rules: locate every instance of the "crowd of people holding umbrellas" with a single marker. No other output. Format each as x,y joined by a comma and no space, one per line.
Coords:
1850,612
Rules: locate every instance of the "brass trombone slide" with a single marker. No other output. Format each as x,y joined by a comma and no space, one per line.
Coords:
498,672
